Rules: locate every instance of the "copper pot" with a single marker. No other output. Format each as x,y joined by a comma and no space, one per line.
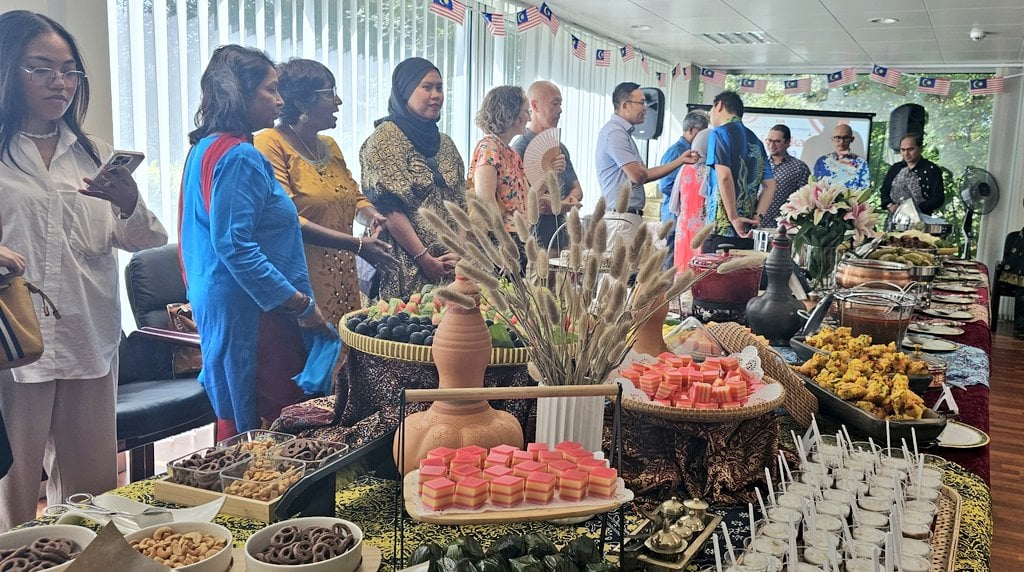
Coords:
853,272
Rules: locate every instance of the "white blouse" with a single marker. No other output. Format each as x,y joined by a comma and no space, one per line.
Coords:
68,241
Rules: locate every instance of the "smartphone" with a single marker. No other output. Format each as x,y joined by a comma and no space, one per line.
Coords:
127,159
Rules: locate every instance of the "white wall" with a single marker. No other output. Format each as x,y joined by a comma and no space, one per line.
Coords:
87,22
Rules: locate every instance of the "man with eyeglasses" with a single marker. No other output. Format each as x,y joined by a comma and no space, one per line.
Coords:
743,184
914,178
619,162
790,173
843,167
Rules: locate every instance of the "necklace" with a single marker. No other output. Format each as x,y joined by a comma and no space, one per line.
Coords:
318,160
41,136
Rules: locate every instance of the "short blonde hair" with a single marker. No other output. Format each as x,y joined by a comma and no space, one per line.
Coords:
500,109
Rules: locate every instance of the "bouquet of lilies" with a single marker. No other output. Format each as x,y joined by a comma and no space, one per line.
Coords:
827,215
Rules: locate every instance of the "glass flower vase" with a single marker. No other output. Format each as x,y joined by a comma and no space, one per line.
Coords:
821,267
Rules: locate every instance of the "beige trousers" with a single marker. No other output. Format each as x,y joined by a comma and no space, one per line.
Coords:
67,427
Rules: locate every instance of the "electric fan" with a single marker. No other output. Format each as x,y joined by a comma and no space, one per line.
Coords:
980,193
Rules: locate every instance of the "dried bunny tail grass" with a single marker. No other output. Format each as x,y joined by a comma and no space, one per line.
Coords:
702,235
554,185
615,301
457,298
534,372
641,238
479,257
682,283
434,221
664,228
459,214
486,210
650,266
574,226
600,209
600,238
590,273
477,274
617,266
741,262
549,305
522,225
533,202
622,203
533,251
542,267
575,255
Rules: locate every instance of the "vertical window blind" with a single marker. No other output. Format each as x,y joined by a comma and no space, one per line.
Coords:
161,47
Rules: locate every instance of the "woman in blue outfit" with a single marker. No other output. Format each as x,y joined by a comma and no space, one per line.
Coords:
241,248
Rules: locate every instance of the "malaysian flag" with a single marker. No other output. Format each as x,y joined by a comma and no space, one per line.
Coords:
526,19
676,71
748,85
579,48
885,76
986,86
602,59
643,64
842,77
495,24
933,85
627,52
450,9
661,79
714,77
549,18
795,86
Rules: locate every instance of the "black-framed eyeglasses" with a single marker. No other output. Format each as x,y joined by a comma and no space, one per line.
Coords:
46,76
642,102
329,93
838,138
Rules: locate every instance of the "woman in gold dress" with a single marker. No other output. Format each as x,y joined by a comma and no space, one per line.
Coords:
313,172
407,163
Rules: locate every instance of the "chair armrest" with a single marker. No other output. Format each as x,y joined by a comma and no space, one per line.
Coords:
173,337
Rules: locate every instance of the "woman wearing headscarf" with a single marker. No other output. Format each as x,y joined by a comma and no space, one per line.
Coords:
242,250
407,163
688,200
312,170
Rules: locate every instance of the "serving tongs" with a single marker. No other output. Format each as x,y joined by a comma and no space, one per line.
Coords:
85,504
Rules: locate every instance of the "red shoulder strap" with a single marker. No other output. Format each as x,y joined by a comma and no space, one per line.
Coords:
214,152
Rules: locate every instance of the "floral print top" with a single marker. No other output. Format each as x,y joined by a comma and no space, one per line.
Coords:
511,188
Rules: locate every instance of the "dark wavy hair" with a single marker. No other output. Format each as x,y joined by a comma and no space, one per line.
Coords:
500,109
230,80
17,29
297,81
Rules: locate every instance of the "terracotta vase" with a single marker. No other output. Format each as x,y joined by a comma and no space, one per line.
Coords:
462,349
650,338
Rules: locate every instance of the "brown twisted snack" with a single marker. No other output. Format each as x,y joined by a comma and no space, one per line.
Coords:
311,544
202,468
308,450
41,554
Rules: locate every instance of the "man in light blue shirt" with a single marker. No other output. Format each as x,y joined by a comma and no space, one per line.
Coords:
619,162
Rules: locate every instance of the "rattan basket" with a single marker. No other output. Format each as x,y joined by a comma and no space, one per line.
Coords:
706,415
946,531
415,353
799,402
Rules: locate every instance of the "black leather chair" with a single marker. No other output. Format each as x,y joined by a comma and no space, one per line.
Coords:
151,403
1000,289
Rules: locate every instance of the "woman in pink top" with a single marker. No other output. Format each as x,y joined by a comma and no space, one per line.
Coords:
496,171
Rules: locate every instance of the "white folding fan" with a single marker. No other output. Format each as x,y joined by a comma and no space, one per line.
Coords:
539,155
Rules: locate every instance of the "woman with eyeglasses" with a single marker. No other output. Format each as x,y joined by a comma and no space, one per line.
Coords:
65,219
312,170
242,249
407,164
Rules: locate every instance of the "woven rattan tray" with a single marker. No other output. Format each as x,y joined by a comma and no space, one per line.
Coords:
799,402
947,531
415,353
707,415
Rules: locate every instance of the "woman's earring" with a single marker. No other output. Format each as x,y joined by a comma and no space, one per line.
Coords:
303,117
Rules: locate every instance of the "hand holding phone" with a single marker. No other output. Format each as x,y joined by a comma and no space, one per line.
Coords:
114,182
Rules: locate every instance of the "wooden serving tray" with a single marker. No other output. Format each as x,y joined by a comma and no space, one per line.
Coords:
496,516
264,511
692,548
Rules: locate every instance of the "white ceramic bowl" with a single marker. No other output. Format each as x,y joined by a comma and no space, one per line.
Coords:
219,562
346,562
80,535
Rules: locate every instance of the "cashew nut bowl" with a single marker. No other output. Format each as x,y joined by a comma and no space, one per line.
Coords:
184,543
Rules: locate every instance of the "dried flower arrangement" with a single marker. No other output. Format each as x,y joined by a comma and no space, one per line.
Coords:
582,326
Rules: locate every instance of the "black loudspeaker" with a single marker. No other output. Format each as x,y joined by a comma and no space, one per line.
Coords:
654,121
907,118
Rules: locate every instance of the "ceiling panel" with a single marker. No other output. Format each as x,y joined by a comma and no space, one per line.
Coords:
872,5
978,16
879,34
797,21
953,4
792,7
675,9
860,19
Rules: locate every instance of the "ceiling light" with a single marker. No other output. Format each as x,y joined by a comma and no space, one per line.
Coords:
884,20
739,38
640,28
